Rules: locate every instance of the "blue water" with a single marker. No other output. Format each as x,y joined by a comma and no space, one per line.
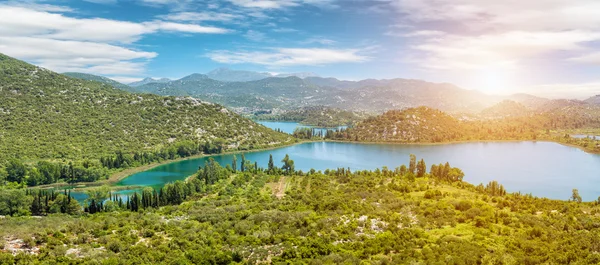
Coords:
289,127
544,169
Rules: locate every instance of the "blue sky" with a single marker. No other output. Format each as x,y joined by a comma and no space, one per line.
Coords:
547,48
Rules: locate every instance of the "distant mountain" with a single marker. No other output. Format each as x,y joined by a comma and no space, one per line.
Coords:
528,101
506,108
593,100
292,92
149,80
194,77
299,75
229,75
45,115
101,79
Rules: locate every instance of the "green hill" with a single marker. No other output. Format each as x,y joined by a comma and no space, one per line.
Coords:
426,125
319,116
45,115
420,124
100,79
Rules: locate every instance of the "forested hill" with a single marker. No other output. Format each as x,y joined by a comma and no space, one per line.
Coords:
48,115
426,125
420,124
319,116
100,79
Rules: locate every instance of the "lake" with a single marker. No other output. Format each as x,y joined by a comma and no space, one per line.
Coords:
581,136
544,169
289,127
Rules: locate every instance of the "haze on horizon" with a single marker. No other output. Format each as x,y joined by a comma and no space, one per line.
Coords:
545,48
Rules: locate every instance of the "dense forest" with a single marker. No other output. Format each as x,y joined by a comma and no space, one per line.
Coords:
409,214
318,116
71,123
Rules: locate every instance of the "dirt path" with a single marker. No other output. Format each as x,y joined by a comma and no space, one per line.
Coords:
280,192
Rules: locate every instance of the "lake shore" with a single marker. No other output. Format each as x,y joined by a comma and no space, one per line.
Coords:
118,176
587,150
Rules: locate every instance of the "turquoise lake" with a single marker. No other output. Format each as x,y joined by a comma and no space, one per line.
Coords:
544,169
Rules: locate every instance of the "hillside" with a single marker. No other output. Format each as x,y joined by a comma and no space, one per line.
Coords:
426,125
319,116
47,115
420,124
406,215
100,79
149,80
593,100
506,108
290,93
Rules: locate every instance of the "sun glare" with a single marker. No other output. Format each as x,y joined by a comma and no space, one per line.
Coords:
495,78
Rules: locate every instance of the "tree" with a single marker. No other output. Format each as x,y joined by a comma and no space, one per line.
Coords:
15,202
234,164
243,163
412,166
271,168
15,170
421,168
575,197
288,165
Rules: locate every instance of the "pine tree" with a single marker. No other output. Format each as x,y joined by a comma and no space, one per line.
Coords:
234,164
271,168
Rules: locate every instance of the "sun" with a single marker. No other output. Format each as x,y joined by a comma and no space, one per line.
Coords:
495,79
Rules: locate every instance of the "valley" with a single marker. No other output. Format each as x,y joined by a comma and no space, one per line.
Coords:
174,157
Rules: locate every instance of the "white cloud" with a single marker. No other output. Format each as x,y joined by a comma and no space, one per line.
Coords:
290,56
254,35
322,41
92,45
201,16
467,37
279,4
591,58
18,21
510,30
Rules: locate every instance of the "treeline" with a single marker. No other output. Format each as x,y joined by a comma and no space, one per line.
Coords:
178,150
46,172
22,202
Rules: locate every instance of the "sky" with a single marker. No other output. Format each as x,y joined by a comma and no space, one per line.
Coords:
548,48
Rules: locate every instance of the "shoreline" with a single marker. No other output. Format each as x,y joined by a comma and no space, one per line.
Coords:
589,151
114,178
118,176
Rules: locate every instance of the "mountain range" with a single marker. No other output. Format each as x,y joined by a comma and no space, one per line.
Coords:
249,92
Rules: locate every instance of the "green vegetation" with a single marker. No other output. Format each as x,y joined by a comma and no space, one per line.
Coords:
72,124
318,116
100,79
426,125
337,216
